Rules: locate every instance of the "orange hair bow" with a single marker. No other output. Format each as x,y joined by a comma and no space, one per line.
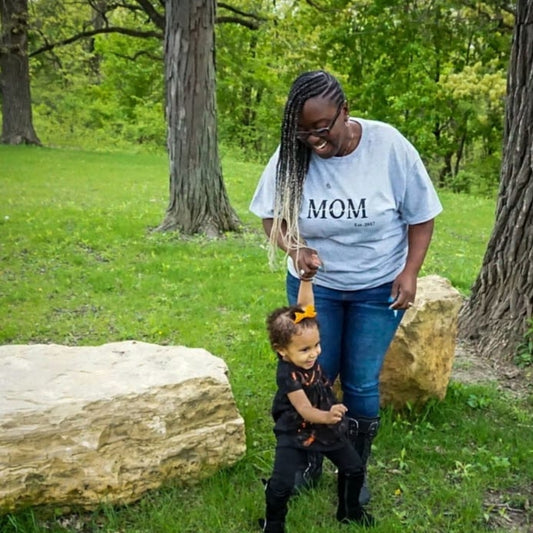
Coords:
309,312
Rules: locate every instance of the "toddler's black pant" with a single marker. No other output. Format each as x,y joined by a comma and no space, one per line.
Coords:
288,462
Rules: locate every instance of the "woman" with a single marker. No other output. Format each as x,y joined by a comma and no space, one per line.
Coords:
355,192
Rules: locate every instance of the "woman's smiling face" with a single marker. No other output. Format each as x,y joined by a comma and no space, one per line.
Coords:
322,126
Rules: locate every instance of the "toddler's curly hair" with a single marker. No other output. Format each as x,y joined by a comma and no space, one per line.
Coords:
281,327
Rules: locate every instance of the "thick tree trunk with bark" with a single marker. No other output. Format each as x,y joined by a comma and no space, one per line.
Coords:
198,199
495,317
17,123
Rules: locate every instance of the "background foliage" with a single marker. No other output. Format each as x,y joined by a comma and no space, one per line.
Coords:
434,69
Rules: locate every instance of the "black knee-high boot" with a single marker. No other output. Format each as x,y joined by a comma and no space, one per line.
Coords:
349,509
362,432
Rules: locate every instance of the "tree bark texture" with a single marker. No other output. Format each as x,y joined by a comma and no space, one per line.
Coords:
198,199
496,315
17,122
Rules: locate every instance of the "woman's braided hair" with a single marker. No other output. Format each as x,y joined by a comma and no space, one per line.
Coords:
294,155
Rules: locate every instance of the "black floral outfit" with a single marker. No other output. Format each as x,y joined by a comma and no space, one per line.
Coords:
290,428
295,436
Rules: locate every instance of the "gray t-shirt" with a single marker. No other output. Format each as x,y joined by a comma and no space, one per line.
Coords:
356,208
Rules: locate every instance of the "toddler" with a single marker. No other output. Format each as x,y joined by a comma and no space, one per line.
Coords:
307,417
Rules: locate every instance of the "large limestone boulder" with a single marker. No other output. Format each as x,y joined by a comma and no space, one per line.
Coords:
419,362
84,425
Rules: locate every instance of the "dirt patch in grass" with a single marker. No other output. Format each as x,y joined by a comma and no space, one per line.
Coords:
510,510
469,367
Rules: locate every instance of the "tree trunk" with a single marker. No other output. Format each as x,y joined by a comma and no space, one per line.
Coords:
496,315
17,123
198,200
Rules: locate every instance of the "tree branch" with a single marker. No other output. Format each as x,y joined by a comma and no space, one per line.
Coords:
141,6
86,34
320,8
139,54
236,20
474,6
223,5
157,18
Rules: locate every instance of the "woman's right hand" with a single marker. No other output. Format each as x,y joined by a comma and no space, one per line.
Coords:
306,261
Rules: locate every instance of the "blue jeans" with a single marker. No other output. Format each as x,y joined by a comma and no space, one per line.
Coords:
356,329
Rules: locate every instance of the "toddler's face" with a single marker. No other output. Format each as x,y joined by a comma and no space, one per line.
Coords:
303,349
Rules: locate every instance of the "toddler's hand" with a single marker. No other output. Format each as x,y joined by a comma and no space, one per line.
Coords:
336,412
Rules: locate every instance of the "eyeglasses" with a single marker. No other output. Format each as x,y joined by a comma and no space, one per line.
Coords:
303,135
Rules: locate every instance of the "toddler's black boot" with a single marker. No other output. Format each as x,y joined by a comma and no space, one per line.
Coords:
276,509
349,509
269,526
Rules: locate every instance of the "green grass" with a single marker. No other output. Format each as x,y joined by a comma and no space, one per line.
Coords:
80,265
461,235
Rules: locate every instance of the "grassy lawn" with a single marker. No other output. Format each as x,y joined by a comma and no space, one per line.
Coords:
80,265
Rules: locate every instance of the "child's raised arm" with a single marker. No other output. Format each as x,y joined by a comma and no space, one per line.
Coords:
305,293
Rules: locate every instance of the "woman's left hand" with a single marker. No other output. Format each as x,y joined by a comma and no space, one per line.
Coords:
403,291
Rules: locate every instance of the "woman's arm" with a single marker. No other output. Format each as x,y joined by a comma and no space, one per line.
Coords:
305,259
281,240
404,286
